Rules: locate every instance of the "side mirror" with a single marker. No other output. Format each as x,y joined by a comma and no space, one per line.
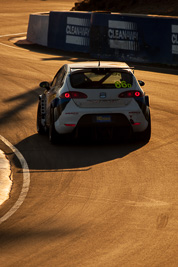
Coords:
141,83
45,85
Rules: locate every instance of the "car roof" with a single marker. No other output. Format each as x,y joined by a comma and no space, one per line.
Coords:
97,64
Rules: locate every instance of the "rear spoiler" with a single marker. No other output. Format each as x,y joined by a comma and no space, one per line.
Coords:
101,68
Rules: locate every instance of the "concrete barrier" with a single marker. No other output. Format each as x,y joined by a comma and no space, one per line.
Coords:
38,28
149,39
69,31
134,38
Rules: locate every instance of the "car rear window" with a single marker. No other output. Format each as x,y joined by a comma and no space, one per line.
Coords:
101,78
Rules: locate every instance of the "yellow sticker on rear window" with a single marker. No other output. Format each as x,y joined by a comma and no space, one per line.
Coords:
122,84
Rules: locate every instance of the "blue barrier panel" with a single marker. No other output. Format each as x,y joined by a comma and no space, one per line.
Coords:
69,31
174,41
134,38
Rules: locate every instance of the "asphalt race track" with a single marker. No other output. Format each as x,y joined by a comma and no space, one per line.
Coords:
87,204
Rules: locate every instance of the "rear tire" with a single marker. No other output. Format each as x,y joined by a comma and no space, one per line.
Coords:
53,135
39,126
146,135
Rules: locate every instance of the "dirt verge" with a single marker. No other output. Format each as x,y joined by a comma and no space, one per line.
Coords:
152,7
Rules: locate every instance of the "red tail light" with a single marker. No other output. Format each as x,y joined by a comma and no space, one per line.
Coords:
73,94
133,93
70,125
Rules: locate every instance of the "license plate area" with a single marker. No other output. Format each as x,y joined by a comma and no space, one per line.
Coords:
103,118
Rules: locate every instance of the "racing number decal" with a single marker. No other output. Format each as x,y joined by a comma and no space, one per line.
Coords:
122,84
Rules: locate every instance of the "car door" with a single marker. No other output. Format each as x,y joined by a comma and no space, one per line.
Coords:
51,94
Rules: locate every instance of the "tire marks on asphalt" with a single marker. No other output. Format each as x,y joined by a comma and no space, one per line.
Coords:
162,221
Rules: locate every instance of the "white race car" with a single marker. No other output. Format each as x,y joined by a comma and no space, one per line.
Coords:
100,99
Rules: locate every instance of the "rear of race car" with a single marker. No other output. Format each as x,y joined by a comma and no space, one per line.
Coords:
103,99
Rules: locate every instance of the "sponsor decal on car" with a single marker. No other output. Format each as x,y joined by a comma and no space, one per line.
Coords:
122,84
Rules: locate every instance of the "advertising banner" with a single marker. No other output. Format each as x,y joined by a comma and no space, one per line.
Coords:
105,36
134,38
69,31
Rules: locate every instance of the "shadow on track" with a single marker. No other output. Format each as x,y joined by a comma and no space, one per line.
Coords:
41,155
56,54
76,56
19,103
25,233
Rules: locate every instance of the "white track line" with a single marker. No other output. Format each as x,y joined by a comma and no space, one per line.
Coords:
11,46
26,180
12,34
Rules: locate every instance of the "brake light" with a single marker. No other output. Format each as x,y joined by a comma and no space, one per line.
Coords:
70,125
137,94
136,123
73,94
132,93
67,95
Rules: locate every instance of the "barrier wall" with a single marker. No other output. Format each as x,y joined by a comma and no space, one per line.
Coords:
38,28
69,31
149,39
134,38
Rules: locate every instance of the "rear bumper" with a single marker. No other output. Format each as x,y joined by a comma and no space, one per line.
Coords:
119,122
103,120
73,117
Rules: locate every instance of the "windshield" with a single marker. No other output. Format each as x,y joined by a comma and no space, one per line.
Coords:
101,78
